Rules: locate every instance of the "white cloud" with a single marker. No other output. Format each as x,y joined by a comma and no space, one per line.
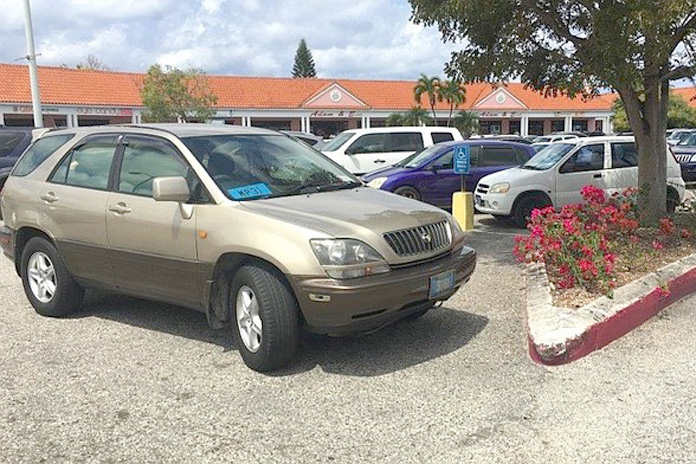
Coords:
358,39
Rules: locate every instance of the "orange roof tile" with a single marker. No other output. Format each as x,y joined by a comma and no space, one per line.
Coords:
106,88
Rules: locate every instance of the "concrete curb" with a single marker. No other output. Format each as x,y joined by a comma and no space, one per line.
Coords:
561,335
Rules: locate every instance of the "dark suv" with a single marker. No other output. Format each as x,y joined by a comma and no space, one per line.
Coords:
13,142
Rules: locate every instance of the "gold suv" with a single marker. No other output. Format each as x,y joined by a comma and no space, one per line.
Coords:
261,233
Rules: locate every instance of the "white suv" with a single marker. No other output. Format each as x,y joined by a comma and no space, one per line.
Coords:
364,150
556,174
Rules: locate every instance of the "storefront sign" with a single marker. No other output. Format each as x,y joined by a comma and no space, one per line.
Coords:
503,114
336,114
28,109
92,111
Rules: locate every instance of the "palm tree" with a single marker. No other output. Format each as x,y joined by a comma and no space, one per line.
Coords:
395,119
467,123
416,116
429,86
454,93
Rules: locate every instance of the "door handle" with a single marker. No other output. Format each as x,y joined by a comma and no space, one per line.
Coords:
49,197
120,208
380,161
597,176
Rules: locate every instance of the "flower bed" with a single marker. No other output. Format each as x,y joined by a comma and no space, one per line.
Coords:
591,248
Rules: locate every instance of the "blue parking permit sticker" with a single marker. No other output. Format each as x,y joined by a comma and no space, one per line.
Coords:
246,192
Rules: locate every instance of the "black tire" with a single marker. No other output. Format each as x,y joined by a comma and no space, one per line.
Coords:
408,192
68,294
523,209
279,314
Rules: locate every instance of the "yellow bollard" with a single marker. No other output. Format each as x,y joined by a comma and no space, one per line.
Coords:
463,209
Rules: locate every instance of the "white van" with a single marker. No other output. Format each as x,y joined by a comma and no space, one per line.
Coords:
364,150
556,174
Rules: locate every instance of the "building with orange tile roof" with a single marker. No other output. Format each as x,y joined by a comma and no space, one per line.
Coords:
73,97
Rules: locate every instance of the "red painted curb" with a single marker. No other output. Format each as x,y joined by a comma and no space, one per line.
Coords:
601,334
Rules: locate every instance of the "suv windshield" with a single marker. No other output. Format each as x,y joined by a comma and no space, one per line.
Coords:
418,157
337,141
689,139
247,167
548,156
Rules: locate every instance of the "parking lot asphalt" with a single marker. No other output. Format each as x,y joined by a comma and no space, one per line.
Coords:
127,380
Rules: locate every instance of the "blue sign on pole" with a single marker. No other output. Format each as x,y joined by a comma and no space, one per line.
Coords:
462,159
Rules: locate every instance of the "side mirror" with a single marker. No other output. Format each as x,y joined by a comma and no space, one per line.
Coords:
171,189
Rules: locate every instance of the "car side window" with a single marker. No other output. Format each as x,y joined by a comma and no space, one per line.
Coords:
89,164
405,141
522,155
145,159
442,137
498,156
368,143
445,161
624,155
475,155
587,158
38,153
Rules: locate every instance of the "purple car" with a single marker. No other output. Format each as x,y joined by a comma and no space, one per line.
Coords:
428,176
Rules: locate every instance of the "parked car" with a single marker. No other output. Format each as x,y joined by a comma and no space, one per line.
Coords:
538,146
312,140
555,176
574,133
685,152
554,138
429,176
364,150
256,230
675,136
13,141
511,138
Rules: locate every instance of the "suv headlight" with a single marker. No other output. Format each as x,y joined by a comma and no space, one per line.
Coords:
377,183
347,258
693,159
502,187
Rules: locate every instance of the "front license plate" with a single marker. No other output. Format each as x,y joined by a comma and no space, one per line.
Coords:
441,284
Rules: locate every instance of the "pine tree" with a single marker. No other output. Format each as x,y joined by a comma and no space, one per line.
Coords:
304,63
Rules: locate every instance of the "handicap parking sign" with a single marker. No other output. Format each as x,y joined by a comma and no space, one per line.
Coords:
462,159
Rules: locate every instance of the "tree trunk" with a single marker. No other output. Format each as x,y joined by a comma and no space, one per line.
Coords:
649,123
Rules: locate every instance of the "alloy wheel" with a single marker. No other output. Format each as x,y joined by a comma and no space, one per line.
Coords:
249,321
42,277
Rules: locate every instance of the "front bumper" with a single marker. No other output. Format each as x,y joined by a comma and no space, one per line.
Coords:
498,204
369,303
688,171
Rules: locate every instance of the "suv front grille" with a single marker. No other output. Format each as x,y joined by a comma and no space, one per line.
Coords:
683,158
420,240
482,188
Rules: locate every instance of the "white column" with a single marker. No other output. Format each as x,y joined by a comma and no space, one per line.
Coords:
134,118
568,126
308,125
524,126
608,127
2,119
368,122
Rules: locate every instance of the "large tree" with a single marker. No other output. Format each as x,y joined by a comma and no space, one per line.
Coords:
94,63
171,95
304,63
635,47
679,114
454,93
428,86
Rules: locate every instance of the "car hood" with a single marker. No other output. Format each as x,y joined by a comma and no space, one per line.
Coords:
683,150
356,212
512,175
384,172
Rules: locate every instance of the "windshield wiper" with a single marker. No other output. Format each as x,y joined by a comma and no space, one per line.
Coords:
306,189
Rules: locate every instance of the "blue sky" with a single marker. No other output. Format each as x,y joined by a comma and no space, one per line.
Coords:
367,39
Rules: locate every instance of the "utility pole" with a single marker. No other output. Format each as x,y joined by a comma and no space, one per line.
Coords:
33,73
